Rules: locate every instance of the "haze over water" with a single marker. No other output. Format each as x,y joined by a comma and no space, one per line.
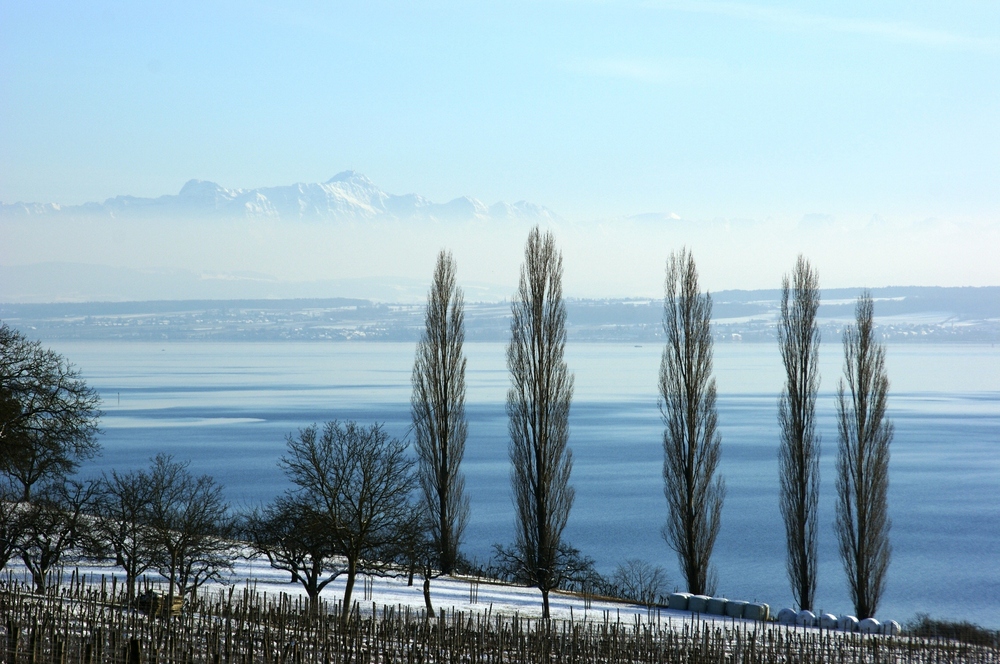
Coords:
228,408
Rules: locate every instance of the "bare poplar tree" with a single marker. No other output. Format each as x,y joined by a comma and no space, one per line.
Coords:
798,454
438,409
691,443
863,462
538,402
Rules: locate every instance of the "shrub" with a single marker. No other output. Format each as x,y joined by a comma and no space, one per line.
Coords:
924,626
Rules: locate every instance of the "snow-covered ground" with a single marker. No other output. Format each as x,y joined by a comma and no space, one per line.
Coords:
452,593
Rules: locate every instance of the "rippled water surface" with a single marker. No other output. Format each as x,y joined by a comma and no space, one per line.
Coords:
228,408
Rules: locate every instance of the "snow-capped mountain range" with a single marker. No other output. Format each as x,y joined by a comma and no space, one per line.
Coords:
346,196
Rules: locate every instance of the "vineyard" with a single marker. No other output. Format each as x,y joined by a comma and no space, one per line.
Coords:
85,623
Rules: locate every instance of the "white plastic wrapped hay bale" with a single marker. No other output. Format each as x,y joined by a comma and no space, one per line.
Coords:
759,612
847,623
698,603
828,621
787,616
805,618
891,628
678,601
870,626
716,606
735,609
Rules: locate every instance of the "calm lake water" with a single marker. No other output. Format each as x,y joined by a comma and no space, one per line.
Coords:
228,408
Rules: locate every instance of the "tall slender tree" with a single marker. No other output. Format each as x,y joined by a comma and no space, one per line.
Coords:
538,403
798,453
438,409
863,522
691,442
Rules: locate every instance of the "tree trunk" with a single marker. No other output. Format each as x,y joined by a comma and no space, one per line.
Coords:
170,585
352,572
427,597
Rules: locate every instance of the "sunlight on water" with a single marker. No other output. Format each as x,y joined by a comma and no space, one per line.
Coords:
229,407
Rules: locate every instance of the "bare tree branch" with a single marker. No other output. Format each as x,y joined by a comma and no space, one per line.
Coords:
291,532
55,528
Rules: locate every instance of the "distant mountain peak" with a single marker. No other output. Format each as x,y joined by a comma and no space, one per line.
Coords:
195,186
204,189
351,176
348,195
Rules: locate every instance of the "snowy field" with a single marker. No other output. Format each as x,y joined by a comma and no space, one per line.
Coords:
451,593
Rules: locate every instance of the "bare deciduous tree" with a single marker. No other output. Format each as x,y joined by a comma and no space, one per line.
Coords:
48,414
538,405
798,453
55,528
122,509
361,481
438,408
639,581
191,526
863,462
691,442
291,533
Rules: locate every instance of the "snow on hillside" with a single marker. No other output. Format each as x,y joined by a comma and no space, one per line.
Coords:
451,593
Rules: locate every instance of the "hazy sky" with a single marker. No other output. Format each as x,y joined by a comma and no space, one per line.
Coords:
846,111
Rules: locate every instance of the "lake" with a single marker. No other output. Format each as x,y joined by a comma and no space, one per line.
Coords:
229,407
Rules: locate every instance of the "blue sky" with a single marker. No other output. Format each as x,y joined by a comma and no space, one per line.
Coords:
865,135
709,109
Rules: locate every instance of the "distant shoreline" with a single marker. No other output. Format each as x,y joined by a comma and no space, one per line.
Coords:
903,314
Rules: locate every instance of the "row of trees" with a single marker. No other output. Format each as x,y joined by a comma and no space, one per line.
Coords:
865,433
164,520
692,444
538,405
359,503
